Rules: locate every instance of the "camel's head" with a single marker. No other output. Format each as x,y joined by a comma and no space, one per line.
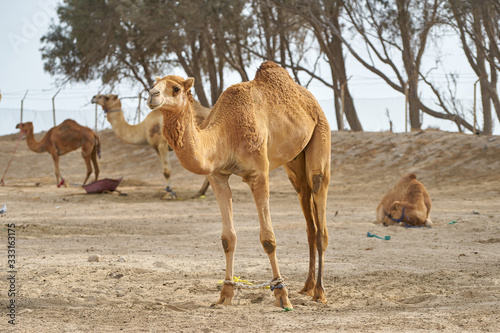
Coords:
395,214
171,92
399,212
25,127
108,102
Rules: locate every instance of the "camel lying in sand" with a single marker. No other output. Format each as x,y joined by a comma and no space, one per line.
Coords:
407,203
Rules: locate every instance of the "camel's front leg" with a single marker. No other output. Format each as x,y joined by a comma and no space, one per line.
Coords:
55,157
163,154
223,194
259,185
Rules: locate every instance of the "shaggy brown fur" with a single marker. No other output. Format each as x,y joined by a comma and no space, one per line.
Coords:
254,128
148,132
62,139
409,195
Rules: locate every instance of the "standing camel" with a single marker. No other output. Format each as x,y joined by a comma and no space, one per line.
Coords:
148,132
254,128
62,139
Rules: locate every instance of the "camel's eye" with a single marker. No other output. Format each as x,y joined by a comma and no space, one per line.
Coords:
176,89
107,98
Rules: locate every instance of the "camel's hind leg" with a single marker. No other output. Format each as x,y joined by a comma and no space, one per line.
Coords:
259,184
297,176
94,162
318,155
202,190
86,157
310,175
223,194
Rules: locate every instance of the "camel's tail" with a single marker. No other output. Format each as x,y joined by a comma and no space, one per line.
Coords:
97,145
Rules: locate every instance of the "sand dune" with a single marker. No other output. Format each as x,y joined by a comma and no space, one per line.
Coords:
159,261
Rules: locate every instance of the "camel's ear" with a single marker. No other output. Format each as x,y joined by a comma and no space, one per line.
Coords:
395,205
188,84
157,78
114,97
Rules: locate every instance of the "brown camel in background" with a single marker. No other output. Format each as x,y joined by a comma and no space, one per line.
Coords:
147,132
62,139
253,128
408,204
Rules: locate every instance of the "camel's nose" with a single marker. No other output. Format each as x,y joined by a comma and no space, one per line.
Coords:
94,99
152,94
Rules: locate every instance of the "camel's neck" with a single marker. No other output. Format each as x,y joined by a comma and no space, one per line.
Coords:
195,148
36,146
132,134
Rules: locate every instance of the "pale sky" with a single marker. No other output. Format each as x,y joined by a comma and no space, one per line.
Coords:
21,68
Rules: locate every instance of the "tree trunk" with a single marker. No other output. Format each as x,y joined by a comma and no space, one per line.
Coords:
338,108
350,111
211,66
486,103
414,104
198,86
339,73
494,96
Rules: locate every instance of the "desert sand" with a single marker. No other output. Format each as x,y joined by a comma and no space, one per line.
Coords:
159,262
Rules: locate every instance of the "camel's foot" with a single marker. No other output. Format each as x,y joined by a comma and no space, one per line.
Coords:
226,295
308,287
63,182
198,195
319,295
170,195
282,300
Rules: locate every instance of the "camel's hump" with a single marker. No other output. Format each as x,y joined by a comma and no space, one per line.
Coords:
270,72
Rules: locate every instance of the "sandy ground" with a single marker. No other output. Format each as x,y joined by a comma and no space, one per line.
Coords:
160,261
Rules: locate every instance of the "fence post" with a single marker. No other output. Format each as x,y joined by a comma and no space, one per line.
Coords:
54,106
475,118
22,103
96,117
139,108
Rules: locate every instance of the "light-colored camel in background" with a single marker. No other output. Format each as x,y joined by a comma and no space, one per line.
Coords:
253,128
408,203
148,132
62,139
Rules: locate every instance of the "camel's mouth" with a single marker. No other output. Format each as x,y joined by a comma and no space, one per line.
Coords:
94,100
152,105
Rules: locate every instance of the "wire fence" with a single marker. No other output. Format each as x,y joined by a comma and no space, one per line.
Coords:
375,114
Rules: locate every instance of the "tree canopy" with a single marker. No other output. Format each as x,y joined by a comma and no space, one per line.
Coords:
134,40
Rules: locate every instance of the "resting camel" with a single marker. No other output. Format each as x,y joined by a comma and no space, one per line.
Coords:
148,132
408,203
62,139
254,128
